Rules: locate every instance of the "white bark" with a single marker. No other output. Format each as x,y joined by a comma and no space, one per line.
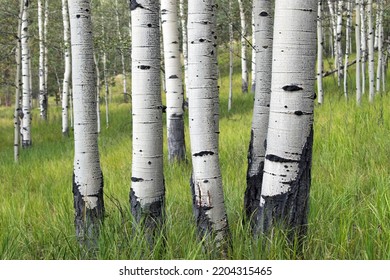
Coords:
358,52
244,66
347,46
106,89
26,88
67,73
147,187
41,71
286,181
230,100
320,48
18,83
253,87
380,46
339,51
96,61
363,43
185,42
371,70
264,38
333,28
88,177
206,180
121,50
45,28
173,81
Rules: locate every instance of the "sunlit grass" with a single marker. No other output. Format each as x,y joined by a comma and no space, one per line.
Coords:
349,203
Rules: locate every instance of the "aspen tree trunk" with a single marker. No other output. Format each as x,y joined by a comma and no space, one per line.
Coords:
380,46
45,28
173,81
244,66
185,42
106,89
230,100
358,52
18,83
286,180
333,21
96,61
67,72
339,51
87,176
256,153
371,71
121,50
320,46
253,87
147,181
206,181
377,23
42,76
347,46
26,88
105,78
363,43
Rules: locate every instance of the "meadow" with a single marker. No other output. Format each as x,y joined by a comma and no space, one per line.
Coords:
349,202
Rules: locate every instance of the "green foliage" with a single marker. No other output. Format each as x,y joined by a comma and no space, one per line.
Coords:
349,204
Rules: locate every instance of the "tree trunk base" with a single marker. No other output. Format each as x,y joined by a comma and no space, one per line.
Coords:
87,221
176,143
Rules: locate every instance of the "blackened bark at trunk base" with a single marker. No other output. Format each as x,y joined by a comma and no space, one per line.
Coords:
88,221
150,217
253,189
290,209
215,249
176,144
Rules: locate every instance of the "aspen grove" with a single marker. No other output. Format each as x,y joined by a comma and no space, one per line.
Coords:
245,129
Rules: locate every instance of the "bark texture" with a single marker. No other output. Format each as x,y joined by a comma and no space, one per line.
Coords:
286,181
256,153
173,81
208,199
147,181
87,174
26,78
67,72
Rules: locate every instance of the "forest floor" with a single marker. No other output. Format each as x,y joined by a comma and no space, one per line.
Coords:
349,200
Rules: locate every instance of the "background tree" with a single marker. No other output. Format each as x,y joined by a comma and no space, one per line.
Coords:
26,81
173,78
67,71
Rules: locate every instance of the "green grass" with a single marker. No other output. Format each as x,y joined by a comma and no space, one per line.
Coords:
349,204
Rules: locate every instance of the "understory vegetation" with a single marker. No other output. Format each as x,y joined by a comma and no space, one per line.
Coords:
349,202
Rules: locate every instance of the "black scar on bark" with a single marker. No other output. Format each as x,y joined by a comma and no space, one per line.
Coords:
134,179
253,188
276,158
176,139
292,88
134,5
88,221
150,217
144,67
203,153
263,14
173,77
290,209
